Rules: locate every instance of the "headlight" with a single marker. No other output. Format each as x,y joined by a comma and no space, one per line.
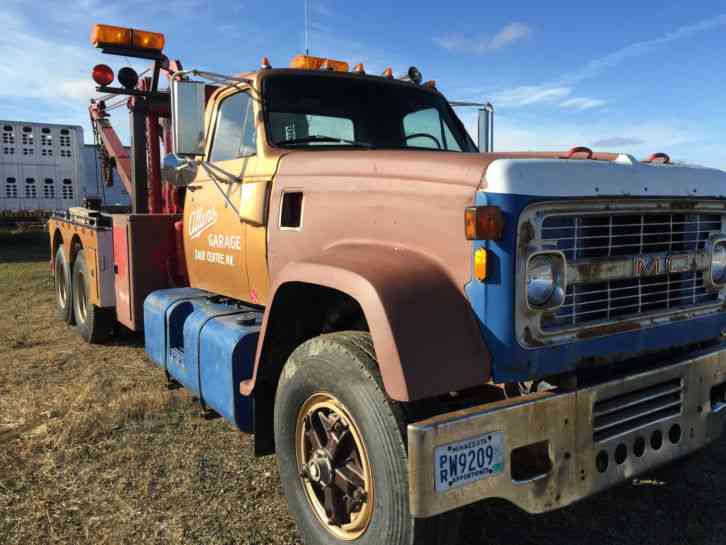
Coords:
718,261
546,280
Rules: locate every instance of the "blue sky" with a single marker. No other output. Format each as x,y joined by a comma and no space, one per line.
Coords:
636,77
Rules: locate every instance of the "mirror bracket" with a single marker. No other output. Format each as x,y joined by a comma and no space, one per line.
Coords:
177,170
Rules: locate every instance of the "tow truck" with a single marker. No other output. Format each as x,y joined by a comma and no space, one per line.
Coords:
326,259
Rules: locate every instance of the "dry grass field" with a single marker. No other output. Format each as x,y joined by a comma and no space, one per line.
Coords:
95,450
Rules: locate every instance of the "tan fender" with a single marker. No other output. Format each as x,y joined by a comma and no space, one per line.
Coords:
425,335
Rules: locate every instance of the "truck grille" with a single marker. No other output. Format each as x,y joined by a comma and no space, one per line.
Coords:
597,236
592,237
619,299
628,412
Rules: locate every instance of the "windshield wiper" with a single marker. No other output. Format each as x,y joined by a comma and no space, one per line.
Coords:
322,138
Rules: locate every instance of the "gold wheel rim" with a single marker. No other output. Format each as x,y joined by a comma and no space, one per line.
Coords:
335,470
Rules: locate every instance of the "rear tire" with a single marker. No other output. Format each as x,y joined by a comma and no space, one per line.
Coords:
340,443
94,324
62,282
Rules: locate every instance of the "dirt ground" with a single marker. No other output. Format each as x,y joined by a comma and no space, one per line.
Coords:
94,449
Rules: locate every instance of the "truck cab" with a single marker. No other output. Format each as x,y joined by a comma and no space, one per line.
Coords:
581,292
248,138
412,325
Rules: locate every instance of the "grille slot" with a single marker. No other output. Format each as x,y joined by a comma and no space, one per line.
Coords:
590,236
599,236
587,304
626,413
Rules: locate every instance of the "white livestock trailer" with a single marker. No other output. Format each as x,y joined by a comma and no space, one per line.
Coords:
46,167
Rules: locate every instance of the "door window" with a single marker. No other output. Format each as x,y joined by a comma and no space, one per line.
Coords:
234,134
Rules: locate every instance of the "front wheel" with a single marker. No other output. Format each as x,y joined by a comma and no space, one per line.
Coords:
341,451
94,324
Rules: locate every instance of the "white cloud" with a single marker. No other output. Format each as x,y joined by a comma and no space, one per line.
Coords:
526,95
560,90
322,9
618,141
583,103
597,66
509,34
519,134
46,77
35,66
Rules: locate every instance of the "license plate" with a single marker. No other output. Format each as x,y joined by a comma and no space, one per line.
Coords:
464,462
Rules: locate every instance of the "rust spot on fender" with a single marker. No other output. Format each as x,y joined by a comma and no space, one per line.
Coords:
526,234
608,330
530,340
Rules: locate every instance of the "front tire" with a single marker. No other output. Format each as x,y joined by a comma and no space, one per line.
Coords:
62,283
341,450
94,324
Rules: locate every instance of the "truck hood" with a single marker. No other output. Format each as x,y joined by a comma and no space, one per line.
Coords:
521,173
463,169
623,176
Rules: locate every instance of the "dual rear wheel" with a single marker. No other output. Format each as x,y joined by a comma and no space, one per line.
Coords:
72,289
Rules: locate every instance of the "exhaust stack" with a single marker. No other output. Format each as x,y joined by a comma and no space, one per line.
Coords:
486,128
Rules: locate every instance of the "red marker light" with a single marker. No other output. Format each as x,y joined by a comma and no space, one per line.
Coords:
102,75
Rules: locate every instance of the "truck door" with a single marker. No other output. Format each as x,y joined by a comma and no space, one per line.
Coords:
215,234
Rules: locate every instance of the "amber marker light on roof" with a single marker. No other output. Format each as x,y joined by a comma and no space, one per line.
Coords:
102,35
388,73
308,62
484,223
114,36
480,264
143,39
359,69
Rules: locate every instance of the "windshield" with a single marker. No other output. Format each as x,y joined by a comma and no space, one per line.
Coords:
320,111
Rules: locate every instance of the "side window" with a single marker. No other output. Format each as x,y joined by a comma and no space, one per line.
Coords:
426,129
234,134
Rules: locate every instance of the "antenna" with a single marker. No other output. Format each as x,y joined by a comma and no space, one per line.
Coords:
307,48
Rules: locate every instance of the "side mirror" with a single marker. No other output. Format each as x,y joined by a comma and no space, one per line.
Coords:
177,170
187,114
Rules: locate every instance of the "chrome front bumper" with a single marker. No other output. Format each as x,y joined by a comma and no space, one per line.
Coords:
580,430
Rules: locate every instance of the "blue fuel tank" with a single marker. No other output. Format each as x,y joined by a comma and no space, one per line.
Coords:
209,346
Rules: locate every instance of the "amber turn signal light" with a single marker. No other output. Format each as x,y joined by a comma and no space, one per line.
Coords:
484,223
480,264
